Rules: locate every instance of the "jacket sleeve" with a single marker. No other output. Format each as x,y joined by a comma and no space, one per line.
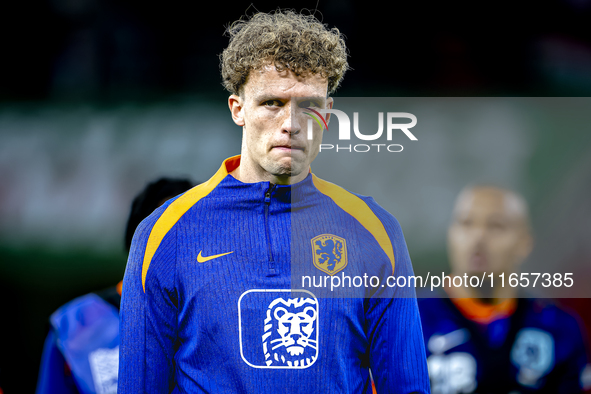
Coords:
54,373
397,351
574,374
149,319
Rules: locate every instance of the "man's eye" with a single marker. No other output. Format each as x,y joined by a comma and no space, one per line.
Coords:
272,103
309,103
497,226
465,222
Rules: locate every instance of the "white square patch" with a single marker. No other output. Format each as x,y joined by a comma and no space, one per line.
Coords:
278,328
104,365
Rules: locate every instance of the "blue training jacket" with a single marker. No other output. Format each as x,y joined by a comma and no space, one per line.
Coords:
207,305
539,348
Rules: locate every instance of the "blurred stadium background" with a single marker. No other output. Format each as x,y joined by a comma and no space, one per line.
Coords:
99,97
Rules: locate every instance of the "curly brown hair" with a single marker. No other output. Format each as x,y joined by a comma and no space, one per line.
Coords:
288,40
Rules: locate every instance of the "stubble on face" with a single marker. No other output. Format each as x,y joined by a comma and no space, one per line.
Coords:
275,146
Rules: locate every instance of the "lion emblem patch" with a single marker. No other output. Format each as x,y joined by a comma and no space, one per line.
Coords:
330,253
291,333
279,328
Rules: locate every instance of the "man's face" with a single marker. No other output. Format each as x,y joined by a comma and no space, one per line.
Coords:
275,144
489,232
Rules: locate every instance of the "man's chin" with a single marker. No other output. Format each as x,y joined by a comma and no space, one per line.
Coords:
286,167
479,273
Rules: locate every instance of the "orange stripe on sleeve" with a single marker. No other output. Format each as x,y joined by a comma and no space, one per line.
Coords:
178,208
357,208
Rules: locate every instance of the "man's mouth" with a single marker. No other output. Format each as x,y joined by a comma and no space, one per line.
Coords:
478,260
289,147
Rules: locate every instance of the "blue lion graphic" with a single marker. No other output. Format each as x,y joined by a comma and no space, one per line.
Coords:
330,252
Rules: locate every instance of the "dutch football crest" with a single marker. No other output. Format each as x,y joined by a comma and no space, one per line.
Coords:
278,328
330,253
533,354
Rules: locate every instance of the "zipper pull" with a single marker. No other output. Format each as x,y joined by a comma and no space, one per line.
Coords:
268,193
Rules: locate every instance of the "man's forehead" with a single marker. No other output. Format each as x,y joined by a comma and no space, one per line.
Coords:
490,201
268,80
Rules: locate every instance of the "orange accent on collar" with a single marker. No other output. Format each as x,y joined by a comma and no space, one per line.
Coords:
232,163
482,313
178,208
120,287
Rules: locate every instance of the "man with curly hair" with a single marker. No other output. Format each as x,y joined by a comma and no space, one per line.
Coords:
210,303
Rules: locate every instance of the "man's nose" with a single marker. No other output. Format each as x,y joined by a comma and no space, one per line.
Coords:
291,124
479,235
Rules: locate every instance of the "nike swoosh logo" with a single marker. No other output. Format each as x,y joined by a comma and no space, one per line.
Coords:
439,344
203,259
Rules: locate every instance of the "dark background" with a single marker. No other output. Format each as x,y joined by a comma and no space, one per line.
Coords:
109,52
119,50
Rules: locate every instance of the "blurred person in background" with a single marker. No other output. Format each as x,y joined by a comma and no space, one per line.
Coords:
81,352
486,339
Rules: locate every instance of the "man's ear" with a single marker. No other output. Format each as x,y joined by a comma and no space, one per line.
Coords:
329,103
526,245
237,110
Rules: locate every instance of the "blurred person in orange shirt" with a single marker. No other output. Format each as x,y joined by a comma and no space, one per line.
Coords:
487,339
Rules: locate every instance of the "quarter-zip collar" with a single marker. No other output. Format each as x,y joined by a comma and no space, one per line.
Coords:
275,203
284,195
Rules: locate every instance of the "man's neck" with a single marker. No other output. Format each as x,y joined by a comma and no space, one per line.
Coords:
246,174
249,178
489,293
